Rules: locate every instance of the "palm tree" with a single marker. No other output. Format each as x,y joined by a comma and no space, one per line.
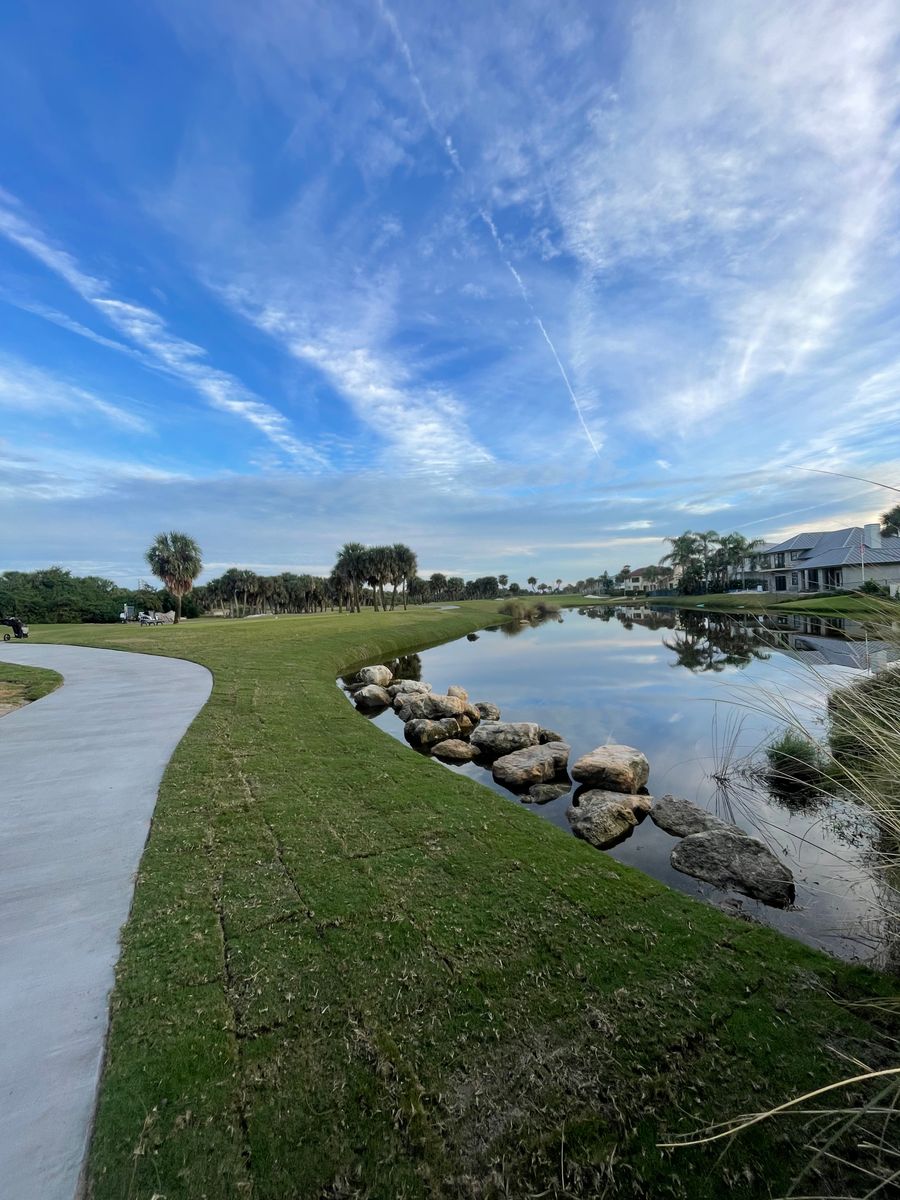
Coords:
503,580
407,568
558,584
176,559
685,553
890,522
532,581
352,566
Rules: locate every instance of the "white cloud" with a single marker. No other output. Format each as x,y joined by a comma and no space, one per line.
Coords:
182,359
25,388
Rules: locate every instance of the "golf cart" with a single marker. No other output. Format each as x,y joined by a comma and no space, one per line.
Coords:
20,630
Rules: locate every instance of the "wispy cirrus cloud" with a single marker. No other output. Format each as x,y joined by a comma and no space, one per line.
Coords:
28,389
147,330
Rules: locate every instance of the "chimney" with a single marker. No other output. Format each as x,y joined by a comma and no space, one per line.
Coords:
872,536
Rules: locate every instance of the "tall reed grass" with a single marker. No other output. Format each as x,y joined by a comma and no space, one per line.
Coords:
855,1141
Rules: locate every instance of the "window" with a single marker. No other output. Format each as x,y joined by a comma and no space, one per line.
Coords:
795,554
795,578
779,560
781,583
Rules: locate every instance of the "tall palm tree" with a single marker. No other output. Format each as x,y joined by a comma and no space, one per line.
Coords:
177,560
532,581
409,568
352,564
685,551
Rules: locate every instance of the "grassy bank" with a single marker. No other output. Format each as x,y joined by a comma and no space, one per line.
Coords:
349,972
22,685
859,608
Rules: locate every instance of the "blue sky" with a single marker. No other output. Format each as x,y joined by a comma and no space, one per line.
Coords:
527,286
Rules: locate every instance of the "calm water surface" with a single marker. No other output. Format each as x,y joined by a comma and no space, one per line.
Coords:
700,696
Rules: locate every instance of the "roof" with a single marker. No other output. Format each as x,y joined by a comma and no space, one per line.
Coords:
652,567
836,548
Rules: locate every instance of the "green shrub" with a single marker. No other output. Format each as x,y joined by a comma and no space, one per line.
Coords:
797,764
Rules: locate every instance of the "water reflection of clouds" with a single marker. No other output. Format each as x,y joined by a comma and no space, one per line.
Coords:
594,681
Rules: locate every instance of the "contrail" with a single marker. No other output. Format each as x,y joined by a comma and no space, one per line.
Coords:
446,143
840,475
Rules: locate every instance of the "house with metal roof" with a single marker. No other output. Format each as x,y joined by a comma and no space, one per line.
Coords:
825,561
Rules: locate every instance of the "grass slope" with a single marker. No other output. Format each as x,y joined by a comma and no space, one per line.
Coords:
349,972
22,685
859,608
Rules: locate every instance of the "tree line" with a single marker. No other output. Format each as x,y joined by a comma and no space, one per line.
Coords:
55,596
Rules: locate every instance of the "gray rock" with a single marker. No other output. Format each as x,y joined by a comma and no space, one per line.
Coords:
424,734
408,685
454,750
605,818
534,764
543,793
429,706
378,675
613,769
682,818
372,696
459,692
729,858
471,637
468,718
488,712
503,737
547,735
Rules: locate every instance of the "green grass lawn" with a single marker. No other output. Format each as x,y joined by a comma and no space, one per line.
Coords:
22,685
860,608
349,972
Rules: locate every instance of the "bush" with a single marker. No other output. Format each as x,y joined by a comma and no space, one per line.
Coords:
797,763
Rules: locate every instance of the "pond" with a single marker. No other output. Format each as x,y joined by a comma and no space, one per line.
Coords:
700,695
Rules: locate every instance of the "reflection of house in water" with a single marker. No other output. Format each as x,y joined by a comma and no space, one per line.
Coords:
709,641
649,618
833,641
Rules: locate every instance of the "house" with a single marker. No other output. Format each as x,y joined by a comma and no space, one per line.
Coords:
647,579
821,562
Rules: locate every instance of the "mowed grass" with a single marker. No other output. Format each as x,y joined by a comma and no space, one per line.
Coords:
22,685
349,972
858,607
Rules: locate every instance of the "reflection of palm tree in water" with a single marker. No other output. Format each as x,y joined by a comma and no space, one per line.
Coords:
712,643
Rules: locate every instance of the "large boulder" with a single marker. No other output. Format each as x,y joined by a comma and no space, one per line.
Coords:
370,695
605,818
543,793
408,685
613,769
429,706
424,734
487,712
454,750
729,858
497,738
378,675
459,692
535,764
682,818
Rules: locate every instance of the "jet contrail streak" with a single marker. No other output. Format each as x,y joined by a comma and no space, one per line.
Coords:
446,143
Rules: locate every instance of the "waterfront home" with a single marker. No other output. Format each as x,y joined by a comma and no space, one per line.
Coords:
648,579
827,561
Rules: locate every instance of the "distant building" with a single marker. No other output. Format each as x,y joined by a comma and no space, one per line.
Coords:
822,562
647,579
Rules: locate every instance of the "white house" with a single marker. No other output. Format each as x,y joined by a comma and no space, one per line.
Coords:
821,562
647,579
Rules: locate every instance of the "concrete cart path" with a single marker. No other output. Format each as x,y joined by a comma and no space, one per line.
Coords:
79,773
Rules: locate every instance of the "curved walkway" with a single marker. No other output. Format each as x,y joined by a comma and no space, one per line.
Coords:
79,773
